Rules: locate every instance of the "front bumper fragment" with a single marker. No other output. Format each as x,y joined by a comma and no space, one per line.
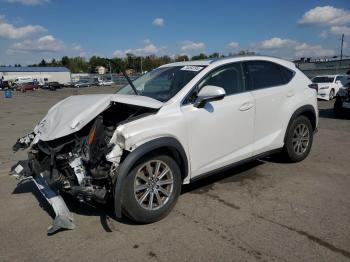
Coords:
63,219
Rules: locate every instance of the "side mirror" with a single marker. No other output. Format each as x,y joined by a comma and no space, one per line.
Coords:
209,94
338,82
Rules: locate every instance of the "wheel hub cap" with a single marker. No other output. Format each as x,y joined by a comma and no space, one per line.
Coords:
153,184
301,139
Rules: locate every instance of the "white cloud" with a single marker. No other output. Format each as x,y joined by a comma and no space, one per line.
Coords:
306,50
119,53
339,30
291,48
158,22
324,34
28,2
77,47
148,49
276,42
8,30
233,45
188,46
45,44
325,15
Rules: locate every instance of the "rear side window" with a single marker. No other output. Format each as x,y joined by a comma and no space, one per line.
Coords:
263,74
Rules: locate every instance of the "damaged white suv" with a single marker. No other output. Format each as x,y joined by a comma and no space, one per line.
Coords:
171,126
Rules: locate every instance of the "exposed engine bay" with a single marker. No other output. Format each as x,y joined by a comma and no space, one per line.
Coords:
83,164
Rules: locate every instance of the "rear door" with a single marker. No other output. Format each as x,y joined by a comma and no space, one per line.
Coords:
269,85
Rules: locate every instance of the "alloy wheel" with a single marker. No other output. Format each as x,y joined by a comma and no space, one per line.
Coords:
301,139
153,184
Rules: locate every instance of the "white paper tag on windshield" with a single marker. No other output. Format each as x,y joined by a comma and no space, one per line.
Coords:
192,68
19,169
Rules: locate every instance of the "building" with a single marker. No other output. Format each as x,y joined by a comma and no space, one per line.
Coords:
41,74
326,66
101,70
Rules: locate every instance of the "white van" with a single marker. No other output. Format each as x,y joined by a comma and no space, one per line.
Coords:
23,79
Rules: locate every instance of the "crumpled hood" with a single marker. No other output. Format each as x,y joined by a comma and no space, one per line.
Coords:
73,113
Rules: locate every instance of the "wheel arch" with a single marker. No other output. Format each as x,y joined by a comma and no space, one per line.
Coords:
166,145
307,111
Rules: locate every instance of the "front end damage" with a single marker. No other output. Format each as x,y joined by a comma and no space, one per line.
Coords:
83,163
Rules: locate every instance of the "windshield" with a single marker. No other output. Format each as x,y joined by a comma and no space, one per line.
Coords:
323,79
162,83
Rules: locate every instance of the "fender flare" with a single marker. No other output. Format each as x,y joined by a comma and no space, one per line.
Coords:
300,111
132,158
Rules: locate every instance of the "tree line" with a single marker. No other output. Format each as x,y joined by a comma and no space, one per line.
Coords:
130,61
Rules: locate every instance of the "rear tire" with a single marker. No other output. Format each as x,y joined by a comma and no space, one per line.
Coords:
298,140
145,198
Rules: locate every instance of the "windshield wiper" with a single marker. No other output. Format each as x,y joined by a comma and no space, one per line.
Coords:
130,83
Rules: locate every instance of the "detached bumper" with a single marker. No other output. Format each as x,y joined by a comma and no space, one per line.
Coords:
63,219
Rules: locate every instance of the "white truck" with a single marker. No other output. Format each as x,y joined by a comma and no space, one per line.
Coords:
23,79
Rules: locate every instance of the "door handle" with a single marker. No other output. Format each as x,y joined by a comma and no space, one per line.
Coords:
290,93
246,106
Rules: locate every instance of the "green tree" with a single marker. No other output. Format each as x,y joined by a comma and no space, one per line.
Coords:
65,61
214,55
78,65
181,58
201,56
42,63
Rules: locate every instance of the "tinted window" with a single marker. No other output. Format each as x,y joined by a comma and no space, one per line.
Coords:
287,74
262,74
229,77
323,79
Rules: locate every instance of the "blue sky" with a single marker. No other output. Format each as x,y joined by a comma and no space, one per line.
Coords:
35,29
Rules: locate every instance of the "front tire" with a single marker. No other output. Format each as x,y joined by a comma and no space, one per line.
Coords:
331,94
338,106
151,189
299,138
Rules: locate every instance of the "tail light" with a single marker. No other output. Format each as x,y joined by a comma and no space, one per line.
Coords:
314,86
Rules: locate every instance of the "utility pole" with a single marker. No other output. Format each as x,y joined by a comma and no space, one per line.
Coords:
341,49
110,69
141,66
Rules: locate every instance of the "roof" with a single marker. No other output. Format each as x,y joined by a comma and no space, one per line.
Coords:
331,75
33,69
234,58
196,62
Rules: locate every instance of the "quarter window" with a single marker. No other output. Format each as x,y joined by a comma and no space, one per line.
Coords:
262,74
287,74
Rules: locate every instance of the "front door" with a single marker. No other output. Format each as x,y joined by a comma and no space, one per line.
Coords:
221,133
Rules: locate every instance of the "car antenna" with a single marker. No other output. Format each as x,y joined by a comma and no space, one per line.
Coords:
130,83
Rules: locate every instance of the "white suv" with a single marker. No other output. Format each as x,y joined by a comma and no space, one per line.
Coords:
171,126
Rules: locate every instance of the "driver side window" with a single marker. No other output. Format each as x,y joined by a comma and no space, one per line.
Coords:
229,77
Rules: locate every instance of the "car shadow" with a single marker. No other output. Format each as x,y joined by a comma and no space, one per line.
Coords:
106,211
329,113
204,184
